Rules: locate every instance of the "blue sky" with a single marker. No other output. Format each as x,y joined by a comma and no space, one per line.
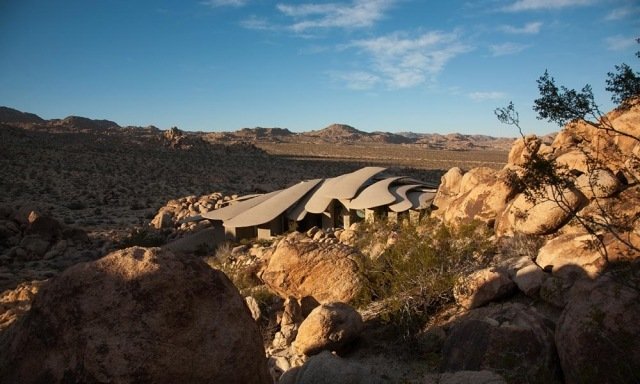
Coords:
386,65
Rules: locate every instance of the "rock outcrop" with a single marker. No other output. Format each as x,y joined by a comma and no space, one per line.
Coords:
481,287
136,315
327,368
482,194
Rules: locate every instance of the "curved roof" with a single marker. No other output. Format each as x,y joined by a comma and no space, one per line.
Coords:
375,195
350,183
297,212
271,208
319,201
360,189
233,210
403,203
420,199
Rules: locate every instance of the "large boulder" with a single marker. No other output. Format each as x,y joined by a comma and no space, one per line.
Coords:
575,159
136,315
448,190
545,215
571,256
162,220
598,183
627,124
328,327
523,149
327,368
511,338
575,255
483,196
300,267
597,334
464,377
481,287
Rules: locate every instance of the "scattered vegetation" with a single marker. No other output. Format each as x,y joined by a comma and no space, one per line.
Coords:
415,275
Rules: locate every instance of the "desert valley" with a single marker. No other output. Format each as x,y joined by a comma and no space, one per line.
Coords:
491,285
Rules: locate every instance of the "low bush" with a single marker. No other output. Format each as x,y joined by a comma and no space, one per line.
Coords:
416,273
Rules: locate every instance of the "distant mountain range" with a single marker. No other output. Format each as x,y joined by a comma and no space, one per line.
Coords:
335,133
346,134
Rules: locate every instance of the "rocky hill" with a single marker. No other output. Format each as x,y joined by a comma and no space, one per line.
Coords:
346,134
334,133
9,115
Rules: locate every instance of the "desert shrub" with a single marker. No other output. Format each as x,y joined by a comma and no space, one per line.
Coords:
415,275
144,237
243,275
521,245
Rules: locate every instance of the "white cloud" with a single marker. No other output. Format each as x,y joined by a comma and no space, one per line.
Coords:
532,5
401,61
619,43
484,96
357,80
528,29
224,3
357,14
621,13
257,23
507,49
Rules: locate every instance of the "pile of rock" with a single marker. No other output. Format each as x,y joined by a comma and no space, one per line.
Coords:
171,215
577,293
34,246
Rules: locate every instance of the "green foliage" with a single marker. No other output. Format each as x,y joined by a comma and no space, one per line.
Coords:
562,105
415,276
624,83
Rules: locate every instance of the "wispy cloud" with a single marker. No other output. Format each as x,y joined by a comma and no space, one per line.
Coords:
619,42
485,96
622,13
257,23
528,29
356,80
507,49
532,5
356,14
401,61
224,3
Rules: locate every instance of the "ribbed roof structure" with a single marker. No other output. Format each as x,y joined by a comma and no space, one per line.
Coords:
357,190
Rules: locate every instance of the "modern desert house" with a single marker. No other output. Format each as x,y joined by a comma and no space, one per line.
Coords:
326,203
